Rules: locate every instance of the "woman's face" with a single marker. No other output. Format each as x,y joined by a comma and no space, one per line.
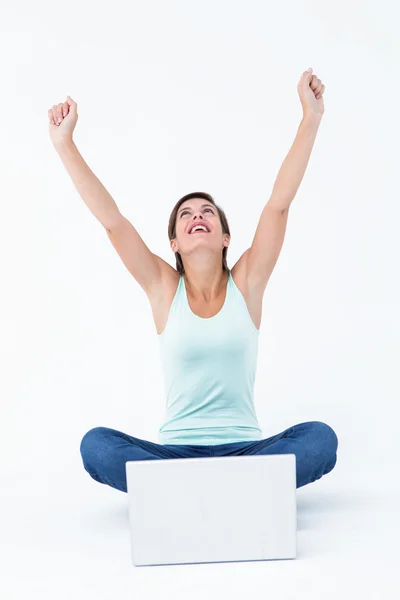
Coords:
197,211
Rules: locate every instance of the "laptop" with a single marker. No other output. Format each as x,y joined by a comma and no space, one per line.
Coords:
212,509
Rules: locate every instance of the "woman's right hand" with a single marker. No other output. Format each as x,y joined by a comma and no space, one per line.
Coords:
62,120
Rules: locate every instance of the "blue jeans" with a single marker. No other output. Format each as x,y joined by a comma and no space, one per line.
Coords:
105,451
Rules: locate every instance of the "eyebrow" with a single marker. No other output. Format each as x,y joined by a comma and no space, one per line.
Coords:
188,207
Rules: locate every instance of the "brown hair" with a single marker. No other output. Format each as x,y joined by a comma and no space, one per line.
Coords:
172,227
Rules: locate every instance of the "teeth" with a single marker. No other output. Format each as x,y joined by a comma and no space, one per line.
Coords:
198,227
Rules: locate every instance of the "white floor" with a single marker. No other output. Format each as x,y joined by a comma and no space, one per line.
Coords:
65,536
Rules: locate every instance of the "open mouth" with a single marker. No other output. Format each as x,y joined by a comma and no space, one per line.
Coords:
198,229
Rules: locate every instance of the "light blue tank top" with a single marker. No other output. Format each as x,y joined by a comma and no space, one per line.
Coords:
209,369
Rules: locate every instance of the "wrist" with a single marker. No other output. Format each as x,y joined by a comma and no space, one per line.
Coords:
312,118
61,143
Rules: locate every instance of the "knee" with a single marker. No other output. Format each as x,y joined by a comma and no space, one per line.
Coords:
327,440
91,443
326,434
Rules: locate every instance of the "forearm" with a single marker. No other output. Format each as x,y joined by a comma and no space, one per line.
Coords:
294,166
90,188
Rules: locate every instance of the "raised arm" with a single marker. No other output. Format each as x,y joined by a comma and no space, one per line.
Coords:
136,256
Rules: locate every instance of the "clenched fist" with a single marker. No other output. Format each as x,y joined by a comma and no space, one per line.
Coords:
62,120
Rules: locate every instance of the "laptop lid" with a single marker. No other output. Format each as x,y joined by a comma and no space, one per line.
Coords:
212,509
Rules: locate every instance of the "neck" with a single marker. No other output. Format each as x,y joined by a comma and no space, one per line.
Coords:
205,283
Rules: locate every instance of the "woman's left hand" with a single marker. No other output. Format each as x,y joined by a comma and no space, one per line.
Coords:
310,90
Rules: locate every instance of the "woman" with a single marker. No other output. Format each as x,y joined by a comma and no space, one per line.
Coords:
207,317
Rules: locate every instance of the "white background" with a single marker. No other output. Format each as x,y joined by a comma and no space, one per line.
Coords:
175,97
